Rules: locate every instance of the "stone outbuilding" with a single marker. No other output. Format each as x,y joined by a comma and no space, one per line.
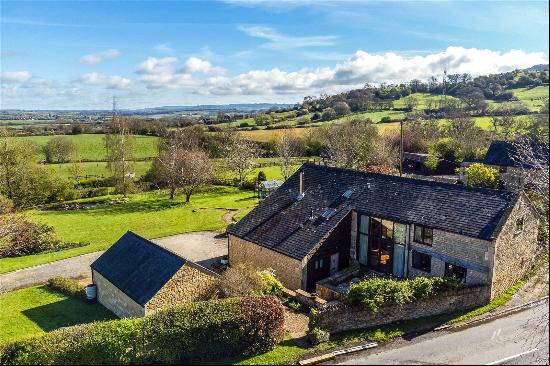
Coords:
136,277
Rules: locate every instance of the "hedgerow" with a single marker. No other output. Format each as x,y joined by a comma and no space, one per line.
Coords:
194,332
68,287
375,292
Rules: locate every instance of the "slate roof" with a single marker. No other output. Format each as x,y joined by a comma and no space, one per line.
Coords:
502,153
293,227
138,267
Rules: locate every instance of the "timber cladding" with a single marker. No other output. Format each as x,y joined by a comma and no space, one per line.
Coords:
288,270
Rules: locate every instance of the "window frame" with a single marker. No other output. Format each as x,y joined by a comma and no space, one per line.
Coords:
446,273
520,225
421,268
423,236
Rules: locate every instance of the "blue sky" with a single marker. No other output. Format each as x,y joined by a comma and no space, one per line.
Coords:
78,54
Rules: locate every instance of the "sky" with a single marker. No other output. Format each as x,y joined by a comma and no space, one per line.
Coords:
79,54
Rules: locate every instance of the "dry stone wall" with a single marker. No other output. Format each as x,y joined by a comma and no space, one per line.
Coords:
340,317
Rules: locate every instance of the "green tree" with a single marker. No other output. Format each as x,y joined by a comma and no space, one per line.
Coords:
328,114
58,150
120,145
342,108
479,175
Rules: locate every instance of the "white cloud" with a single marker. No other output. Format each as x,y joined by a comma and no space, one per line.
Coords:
95,58
278,41
194,64
16,76
163,47
155,65
364,67
106,81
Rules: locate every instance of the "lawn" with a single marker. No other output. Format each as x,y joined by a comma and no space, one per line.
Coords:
96,169
533,97
91,147
150,214
35,310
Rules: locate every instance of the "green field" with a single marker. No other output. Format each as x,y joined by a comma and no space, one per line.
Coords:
91,147
95,169
35,310
533,97
150,214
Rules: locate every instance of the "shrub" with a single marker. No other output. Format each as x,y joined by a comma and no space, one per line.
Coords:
194,332
243,280
317,336
68,287
479,175
261,176
6,205
375,292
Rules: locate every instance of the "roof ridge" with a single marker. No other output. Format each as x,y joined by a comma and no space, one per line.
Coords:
407,179
157,245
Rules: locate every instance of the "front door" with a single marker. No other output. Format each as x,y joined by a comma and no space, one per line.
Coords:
380,245
334,263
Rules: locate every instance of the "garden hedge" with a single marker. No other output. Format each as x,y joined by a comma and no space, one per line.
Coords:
194,332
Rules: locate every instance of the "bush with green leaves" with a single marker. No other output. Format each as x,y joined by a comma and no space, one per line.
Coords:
317,336
480,175
67,286
195,332
376,292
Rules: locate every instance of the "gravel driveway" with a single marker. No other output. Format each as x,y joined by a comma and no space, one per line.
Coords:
202,247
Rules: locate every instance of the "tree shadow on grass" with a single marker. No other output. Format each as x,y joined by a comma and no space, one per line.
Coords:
65,312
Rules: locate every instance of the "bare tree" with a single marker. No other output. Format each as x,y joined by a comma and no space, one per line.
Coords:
532,156
181,164
240,154
120,145
185,170
350,145
287,147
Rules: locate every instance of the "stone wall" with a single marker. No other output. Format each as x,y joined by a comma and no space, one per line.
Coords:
340,318
115,300
515,250
473,254
287,270
190,283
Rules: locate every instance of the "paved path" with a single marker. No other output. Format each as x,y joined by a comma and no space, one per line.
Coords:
521,338
202,247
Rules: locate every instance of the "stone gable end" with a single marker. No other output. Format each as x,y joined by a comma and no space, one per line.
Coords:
187,285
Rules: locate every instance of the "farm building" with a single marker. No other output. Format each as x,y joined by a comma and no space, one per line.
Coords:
135,277
323,221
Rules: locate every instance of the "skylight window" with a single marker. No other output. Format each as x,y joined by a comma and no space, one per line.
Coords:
347,194
329,212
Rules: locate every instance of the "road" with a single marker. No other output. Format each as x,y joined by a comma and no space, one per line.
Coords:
202,247
518,339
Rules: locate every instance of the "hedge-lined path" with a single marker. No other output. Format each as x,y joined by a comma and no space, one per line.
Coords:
203,247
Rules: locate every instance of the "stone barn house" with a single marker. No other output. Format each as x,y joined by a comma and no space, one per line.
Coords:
136,277
325,220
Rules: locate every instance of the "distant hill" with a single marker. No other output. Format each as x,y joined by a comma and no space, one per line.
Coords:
244,107
539,67
210,108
